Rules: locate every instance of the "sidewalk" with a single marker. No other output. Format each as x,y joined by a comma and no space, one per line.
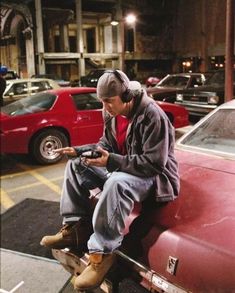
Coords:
40,275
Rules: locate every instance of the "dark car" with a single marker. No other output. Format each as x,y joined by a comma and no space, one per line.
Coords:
166,89
186,245
91,79
203,99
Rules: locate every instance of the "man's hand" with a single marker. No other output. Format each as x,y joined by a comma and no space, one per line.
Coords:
66,151
99,162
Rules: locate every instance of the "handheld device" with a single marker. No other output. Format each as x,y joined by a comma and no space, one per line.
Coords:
91,154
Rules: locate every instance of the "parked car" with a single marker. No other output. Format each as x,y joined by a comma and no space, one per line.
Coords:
186,245
203,99
19,88
11,74
91,79
56,78
57,118
166,89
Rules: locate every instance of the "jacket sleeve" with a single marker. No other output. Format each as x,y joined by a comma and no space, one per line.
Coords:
152,141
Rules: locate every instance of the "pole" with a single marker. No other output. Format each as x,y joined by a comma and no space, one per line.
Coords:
80,48
41,61
229,50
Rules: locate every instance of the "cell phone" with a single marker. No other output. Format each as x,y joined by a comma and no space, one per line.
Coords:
91,154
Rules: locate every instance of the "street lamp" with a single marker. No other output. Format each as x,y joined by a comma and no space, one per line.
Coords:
130,19
130,32
125,37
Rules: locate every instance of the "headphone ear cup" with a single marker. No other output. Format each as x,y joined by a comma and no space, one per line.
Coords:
127,96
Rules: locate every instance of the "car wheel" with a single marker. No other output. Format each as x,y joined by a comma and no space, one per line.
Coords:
44,144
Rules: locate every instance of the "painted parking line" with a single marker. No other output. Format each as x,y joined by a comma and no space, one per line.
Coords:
5,200
42,179
26,186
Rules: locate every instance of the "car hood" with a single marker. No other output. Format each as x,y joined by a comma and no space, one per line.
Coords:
197,229
205,161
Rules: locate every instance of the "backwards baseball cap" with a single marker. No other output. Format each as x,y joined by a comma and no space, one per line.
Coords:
112,83
3,70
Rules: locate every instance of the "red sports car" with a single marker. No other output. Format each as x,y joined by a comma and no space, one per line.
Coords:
53,119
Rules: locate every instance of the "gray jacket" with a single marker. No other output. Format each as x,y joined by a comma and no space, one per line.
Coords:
149,144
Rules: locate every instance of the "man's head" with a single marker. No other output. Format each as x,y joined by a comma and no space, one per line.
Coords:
114,89
113,83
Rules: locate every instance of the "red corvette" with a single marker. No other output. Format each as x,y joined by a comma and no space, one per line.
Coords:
53,119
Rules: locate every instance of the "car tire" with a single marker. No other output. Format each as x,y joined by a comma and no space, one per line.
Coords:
43,145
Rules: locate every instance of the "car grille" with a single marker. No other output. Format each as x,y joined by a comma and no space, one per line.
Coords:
196,99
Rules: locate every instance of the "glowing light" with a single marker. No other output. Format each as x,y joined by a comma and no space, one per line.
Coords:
130,19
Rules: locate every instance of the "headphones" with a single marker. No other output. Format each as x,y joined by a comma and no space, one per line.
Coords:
128,95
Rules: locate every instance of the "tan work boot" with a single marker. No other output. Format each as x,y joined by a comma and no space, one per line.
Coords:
95,272
72,235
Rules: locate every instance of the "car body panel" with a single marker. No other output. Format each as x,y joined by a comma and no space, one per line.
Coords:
178,114
196,232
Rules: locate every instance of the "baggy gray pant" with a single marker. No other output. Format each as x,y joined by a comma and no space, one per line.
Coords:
119,192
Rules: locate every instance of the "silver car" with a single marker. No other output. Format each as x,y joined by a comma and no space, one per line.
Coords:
20,88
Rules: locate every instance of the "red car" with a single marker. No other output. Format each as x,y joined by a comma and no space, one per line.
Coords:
187,245
53,119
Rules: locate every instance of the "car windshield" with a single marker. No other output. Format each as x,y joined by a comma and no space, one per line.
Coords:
216,134
32,104
174,81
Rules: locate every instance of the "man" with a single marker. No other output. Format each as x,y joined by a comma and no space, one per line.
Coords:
137,161
3,72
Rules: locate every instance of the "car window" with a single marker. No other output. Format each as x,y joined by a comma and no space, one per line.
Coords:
87,101
196,81
20,88
217,133
39,86
33,104
174,81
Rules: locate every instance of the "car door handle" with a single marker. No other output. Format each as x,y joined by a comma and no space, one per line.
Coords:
84,118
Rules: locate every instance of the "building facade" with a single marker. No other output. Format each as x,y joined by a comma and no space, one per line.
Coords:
37,36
